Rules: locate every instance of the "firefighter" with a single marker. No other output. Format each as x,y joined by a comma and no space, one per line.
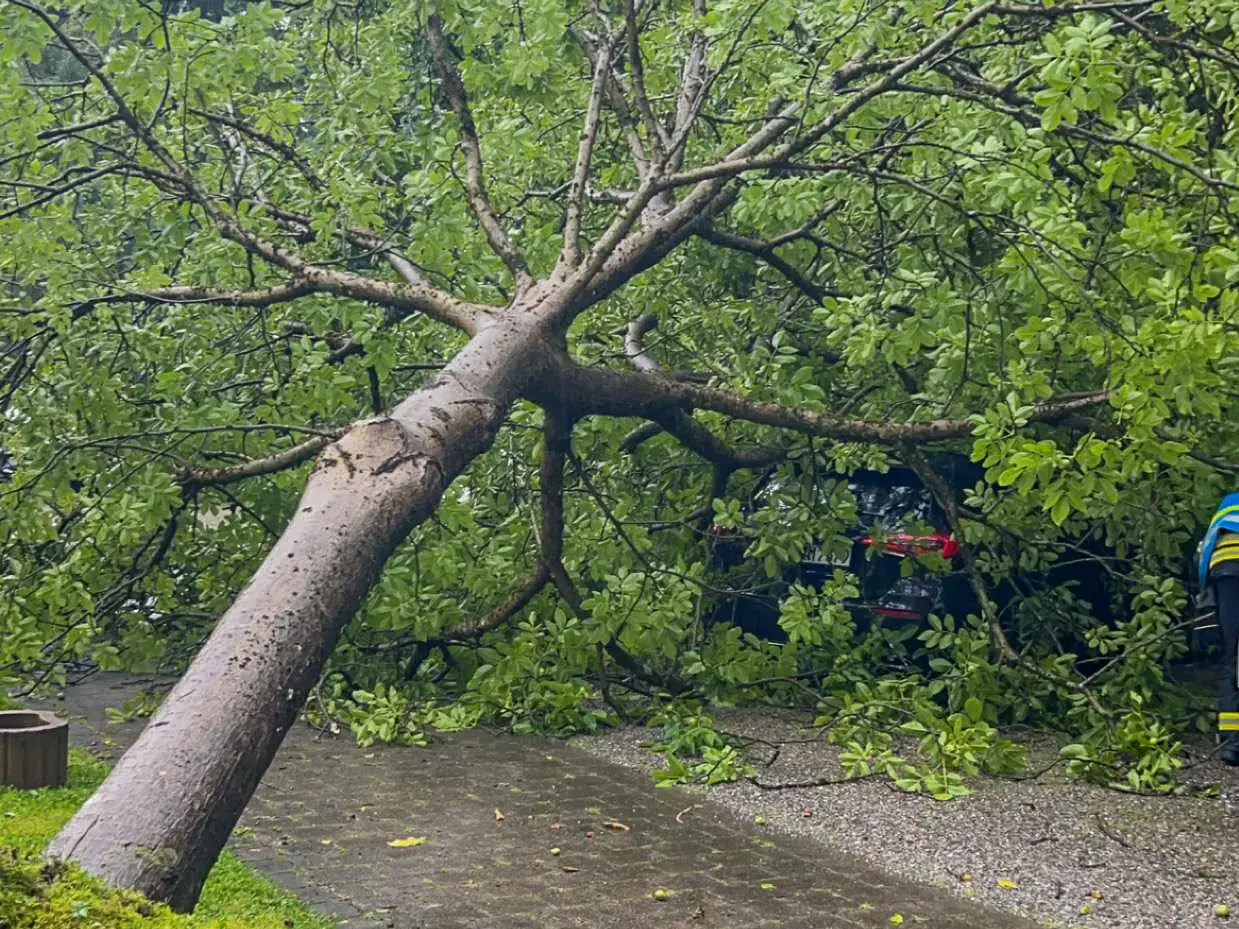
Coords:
1219,572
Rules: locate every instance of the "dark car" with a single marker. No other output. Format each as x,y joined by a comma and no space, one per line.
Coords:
902,559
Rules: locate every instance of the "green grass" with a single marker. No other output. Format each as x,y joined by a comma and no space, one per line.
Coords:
33,896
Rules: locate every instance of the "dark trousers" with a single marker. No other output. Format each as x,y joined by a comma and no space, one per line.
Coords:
1226,590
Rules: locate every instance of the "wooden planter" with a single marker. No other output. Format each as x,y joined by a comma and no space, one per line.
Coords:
34,749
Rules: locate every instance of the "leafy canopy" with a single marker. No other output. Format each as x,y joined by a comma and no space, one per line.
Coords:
970,211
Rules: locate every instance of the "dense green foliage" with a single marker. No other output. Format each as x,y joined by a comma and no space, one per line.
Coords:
36,895
1045,208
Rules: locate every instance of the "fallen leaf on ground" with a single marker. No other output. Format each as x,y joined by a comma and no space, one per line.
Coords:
1006,883
699,913
617,825
897,920
408,841
568,869
498,815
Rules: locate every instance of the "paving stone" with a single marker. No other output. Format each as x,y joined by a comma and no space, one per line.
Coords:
322,819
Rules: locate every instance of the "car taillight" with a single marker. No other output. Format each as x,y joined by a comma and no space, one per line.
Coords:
892,613
902,544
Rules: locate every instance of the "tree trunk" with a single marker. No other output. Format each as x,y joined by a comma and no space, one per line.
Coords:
159,821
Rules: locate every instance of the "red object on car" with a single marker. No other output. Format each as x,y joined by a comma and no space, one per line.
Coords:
902,544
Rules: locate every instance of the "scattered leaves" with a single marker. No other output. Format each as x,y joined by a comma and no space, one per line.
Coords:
408,841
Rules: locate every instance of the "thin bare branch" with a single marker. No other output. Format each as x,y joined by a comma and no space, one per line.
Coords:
289,458
692,85
270,296
617,103
767,253
636,67
286,151
479,199
516,601
571,253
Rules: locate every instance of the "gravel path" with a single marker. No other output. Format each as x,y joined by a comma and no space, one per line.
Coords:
1069,855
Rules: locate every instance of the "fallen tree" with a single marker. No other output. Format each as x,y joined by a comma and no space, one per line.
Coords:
918,226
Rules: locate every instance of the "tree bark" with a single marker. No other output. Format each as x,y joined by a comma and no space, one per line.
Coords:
159,821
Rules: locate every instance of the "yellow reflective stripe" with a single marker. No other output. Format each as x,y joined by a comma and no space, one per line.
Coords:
1228,541
1221,513
1223,556
1228,722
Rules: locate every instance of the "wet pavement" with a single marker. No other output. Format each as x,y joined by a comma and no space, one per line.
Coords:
519,832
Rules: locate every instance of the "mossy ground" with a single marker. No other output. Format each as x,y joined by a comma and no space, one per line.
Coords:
36,896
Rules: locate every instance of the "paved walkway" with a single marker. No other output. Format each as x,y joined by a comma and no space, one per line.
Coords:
494,808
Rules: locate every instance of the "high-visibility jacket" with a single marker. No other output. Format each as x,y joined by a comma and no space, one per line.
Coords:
1221,542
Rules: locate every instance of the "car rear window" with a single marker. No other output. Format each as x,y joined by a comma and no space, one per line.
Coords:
892,507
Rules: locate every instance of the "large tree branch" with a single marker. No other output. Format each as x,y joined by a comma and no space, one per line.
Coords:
479,199
679,423
605,392
749,158
618,255
422,299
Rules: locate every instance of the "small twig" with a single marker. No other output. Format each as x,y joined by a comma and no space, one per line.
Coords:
1111,833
